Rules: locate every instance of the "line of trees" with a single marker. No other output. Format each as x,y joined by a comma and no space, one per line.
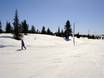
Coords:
19,28
89,36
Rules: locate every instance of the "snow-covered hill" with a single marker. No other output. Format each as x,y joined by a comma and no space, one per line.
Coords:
51,57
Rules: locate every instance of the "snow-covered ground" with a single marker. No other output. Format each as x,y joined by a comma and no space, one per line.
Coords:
51,57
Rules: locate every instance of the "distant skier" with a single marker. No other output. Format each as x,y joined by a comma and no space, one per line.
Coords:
23,44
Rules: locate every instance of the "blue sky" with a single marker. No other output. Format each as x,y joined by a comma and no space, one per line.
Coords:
86,14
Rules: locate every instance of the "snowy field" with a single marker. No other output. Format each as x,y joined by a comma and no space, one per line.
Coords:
51,57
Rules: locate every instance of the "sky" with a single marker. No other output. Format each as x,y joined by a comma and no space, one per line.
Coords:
88,15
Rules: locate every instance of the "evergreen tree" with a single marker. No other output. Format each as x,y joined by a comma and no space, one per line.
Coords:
25,27
58,33
1,27
58,29
33,29
17,27
8,28
68,30
43,31
37,31
77,35
62,33
49,32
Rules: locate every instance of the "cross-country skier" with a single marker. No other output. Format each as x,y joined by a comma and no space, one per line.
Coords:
22,44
